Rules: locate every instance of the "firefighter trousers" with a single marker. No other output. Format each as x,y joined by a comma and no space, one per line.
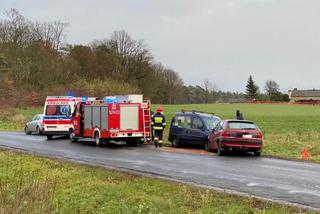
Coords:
158,134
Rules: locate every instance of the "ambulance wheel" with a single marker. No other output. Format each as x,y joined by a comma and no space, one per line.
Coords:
97,140
49,137
27,131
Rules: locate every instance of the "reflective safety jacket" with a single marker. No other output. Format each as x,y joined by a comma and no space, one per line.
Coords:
158,121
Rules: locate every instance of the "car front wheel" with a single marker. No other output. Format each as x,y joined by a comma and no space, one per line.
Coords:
207,146
175,142
27,131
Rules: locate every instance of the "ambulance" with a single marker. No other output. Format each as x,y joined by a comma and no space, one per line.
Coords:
57,114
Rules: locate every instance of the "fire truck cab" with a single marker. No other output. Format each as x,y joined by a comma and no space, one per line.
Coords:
117,118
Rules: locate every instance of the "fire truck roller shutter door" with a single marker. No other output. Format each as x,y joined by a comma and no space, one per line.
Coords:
87,117
104,118
96,116
129,117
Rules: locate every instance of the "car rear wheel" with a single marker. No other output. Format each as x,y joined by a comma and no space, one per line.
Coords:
97,140
257,153
26,130
38,130
220,151
175,142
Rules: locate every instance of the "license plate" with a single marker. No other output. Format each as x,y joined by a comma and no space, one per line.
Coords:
247,136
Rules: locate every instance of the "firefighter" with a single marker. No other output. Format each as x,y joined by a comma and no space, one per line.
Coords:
158,123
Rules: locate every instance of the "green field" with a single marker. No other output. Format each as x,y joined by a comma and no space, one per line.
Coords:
30,184
287,128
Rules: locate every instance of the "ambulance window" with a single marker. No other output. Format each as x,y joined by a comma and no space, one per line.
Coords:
51,110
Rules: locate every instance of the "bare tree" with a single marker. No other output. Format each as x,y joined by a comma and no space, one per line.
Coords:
15,29
209,90
126,46
207,85
133,54
173,85
51,34
271,88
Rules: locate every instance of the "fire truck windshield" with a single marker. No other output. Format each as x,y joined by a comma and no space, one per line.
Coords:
58,110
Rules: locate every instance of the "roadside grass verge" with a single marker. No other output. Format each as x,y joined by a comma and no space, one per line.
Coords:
30,184
15,119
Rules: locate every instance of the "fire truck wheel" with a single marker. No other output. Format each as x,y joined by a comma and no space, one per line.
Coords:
72,137
27,131
49,137
97,139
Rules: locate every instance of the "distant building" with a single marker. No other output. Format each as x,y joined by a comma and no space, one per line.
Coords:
304,96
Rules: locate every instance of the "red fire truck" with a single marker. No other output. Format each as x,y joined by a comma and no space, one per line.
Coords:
126,120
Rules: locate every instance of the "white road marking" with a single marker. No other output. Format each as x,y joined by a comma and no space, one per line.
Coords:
252,184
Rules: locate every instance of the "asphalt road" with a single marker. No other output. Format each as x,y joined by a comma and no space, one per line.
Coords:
291,181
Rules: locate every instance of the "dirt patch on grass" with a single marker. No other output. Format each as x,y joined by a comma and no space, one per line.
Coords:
19,118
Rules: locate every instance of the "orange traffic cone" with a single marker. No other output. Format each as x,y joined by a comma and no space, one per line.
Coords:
305,154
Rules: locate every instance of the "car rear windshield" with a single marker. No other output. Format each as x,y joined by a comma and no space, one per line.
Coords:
58,110
210,122
241,125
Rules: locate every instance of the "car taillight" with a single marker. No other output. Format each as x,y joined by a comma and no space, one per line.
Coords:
225,134
259,135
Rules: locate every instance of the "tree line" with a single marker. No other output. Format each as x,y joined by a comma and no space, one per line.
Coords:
35,62
271,91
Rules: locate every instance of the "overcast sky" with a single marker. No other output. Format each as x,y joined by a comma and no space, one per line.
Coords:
223,40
